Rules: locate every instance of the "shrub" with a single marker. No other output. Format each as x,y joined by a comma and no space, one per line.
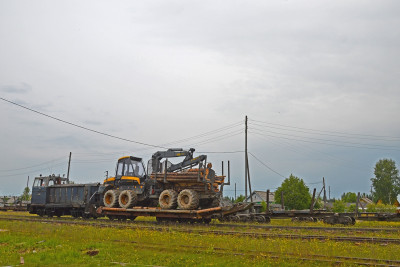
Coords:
386,208
263,206
351,208
338,206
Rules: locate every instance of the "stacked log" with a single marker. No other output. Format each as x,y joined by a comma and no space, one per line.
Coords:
192,178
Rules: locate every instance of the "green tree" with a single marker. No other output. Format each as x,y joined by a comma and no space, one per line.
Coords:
351,208
381,208
239,199
263,206
338,206
319,203
386,182
26,196
5,199
296,194
349,197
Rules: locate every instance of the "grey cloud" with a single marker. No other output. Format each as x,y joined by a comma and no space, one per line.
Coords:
93,122
22,88
160,71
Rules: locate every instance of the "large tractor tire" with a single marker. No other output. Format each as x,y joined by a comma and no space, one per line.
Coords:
188,199
127,199
110,198
168,199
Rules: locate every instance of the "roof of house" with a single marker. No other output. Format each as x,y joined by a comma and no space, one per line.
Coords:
366,200
262,195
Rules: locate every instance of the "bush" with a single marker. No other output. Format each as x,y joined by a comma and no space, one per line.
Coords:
351,208
386,208
240,198
263,206
338,206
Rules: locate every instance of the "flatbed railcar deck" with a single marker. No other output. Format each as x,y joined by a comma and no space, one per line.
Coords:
204,215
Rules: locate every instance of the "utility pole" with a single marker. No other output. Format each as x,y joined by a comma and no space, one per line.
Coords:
69,165
323,181
27,182
329,187
235,191
248,176
245,160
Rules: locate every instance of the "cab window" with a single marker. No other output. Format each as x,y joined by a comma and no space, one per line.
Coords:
38,182
120,168
138,169
129,171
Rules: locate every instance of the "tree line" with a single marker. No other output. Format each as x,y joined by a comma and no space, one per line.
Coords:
385,184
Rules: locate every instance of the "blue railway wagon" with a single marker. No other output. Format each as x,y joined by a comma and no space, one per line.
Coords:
55,196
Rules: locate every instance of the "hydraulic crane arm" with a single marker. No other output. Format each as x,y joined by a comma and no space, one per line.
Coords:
176,152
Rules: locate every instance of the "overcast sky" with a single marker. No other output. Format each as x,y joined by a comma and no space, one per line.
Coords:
319,81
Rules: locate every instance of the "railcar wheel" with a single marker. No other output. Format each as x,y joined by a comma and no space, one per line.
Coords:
207,220
127,199
260,219
244,218
168,199
40,212
111,217
161,219
110,198
234,218
188,199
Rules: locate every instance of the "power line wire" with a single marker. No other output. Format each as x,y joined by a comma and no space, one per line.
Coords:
344,133
218,138
205,134
328,134
266,165
326,140
37,170
230,126
293,147
46,162
325,143
222,152
79,126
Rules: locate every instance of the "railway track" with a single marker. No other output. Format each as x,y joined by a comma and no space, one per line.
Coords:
270,254
234,225
192,230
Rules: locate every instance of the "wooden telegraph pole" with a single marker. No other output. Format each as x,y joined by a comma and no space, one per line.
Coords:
245,160
69,165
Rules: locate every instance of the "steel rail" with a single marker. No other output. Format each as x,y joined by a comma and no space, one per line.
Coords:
273,254
238,225
216,232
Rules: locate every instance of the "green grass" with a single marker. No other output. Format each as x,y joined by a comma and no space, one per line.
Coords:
42,244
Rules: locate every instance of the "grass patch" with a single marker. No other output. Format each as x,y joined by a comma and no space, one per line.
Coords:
45,244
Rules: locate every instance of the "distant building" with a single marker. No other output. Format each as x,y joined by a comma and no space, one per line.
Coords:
261,196
8,200
364,202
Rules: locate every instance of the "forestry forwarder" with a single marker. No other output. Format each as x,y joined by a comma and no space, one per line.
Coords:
165,184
